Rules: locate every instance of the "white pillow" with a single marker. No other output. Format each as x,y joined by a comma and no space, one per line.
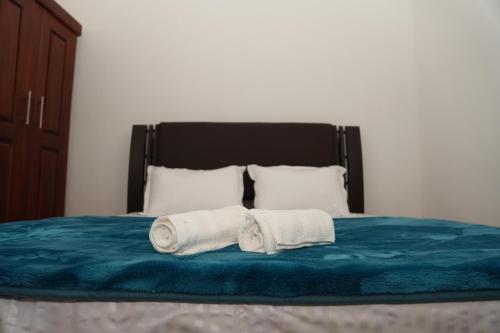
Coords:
171,191
291,187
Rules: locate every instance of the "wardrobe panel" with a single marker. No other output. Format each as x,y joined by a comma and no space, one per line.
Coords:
47,185
53,97
6,161
19,35
10,33
54,77
49,138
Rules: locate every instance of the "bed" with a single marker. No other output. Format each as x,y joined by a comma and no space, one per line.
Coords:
383,274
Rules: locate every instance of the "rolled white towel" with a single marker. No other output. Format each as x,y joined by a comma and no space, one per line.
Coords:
197,231
271,231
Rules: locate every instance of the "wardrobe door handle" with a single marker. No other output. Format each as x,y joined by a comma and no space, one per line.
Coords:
28,111
42,106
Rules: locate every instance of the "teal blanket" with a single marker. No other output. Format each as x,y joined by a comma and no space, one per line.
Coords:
375,260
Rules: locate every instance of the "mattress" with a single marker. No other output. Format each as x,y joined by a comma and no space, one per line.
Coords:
150,317
375,260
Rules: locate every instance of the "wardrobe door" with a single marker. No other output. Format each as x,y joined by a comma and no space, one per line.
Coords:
17,45
49,138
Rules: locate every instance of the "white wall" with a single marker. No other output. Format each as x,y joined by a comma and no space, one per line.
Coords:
346,62
458,58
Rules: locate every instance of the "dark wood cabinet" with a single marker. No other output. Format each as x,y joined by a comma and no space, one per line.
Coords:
37,55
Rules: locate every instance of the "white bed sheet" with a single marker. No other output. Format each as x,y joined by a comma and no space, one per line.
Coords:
350,215
35,316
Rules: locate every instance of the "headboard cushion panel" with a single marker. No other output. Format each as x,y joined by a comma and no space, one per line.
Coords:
215,145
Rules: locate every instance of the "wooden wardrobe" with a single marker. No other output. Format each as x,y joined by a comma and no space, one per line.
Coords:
37,57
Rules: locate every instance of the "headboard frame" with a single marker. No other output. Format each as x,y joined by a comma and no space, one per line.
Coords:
204,145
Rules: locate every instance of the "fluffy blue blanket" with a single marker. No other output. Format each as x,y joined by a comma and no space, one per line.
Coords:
376,259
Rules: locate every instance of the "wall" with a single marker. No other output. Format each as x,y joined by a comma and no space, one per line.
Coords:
341,62
458,58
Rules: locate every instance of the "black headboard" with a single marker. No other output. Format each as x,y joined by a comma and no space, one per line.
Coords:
203,145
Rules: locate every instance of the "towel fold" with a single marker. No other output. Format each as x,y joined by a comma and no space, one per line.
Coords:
271,231
197,231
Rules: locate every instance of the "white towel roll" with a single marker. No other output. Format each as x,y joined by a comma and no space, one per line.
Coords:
197,231
271,231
